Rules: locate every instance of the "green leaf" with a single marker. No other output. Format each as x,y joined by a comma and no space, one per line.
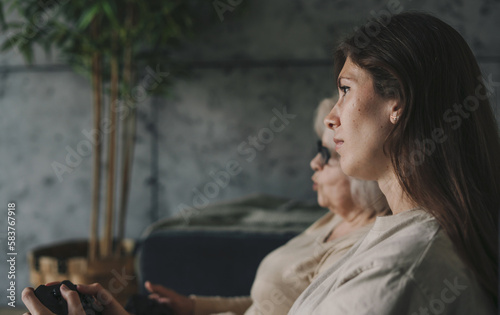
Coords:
154,27
11,42
88,16
110,13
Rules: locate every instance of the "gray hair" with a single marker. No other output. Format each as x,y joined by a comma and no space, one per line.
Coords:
365,193
323,109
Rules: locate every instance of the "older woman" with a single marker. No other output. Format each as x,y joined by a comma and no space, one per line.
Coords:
287,271
414,115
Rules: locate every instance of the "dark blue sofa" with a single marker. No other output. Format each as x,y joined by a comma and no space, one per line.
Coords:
218,251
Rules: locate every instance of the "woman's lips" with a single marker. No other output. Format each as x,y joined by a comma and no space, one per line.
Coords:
338,143
315,186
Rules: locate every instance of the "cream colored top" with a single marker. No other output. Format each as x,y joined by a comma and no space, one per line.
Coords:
286,272
406,264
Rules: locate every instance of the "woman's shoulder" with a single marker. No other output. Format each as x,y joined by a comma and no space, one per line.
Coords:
404,245
409,258
429,266
415,248
408,240
435,282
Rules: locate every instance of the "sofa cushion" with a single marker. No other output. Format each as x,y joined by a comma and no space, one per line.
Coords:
206,262
216,250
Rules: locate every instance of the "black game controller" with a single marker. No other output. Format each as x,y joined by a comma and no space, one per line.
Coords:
142,305
51,297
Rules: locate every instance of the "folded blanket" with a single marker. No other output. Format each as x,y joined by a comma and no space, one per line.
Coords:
257,212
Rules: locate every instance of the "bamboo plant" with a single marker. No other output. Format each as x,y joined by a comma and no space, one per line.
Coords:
108,41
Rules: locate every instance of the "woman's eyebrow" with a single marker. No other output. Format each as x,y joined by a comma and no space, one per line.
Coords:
345,78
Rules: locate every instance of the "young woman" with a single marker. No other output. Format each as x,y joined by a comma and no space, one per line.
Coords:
414,115
287,271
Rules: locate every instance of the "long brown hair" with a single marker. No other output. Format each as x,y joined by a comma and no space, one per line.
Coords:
445,147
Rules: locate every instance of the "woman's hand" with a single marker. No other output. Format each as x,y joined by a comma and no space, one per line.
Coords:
109,304
181,305
37,308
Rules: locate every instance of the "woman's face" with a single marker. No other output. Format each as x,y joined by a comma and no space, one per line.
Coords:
361,121
332,185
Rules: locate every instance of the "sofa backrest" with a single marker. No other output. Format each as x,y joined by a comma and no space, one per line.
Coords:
205,262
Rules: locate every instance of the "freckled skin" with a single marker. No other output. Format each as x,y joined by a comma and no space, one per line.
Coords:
361,118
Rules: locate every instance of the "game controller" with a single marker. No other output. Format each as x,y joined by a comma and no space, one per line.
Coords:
51,297
142,305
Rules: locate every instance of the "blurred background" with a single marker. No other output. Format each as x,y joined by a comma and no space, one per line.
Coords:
246,66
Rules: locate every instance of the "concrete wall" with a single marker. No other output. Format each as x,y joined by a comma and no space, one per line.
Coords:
199,128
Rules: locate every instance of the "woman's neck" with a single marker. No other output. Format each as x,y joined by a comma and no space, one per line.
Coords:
396,198
353,219
353,215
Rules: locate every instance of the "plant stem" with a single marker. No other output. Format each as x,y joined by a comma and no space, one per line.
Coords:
128,134
110,191
96,182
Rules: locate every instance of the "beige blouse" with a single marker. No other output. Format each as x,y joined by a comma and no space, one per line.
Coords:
286,272
406,264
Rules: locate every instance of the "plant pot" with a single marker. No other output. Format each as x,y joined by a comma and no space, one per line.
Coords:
68,261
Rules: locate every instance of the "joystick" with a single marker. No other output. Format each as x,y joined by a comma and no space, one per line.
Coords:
51,297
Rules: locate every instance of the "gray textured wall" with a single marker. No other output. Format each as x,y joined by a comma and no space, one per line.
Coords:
199,129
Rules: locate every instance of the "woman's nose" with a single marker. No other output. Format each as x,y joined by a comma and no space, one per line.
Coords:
332,120
316,163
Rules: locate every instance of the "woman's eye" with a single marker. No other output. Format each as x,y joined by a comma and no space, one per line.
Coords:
344,89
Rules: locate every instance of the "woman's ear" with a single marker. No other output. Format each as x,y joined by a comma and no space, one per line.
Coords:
395,111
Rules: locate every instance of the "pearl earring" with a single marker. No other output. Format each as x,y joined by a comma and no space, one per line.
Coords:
395,117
